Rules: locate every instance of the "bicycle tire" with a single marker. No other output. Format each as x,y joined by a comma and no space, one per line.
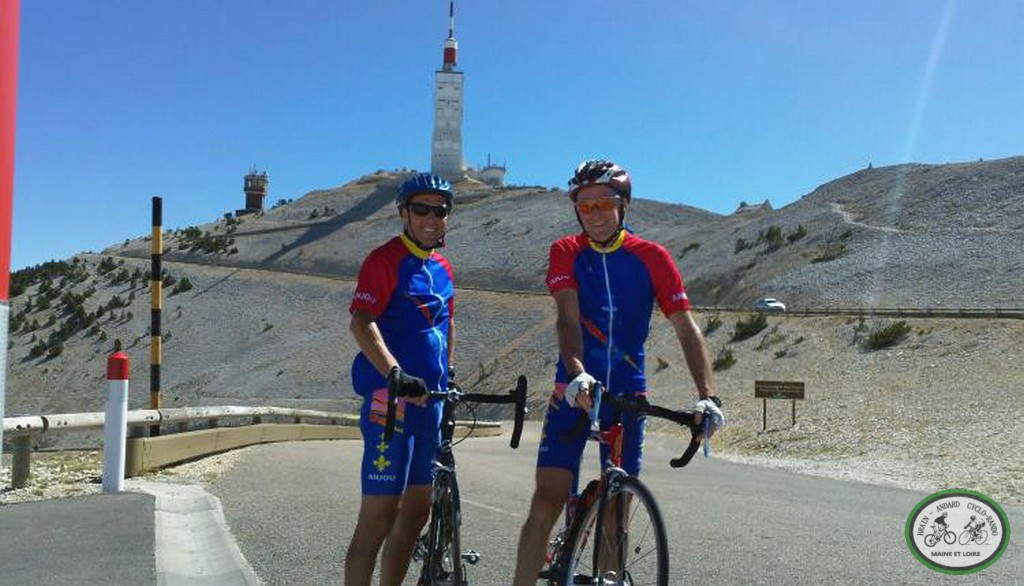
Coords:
949,537
645,561
966,537
981,537
442,566
930,540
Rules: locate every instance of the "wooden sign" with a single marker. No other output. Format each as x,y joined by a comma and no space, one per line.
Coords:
775,389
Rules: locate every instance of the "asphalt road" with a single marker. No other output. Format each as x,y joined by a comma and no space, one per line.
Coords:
292,508
87,540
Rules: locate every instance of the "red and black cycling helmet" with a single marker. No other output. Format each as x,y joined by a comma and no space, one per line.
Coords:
601,172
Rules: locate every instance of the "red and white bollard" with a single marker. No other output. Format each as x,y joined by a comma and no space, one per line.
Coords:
115,423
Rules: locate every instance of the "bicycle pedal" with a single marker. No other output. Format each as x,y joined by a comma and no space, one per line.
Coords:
471,557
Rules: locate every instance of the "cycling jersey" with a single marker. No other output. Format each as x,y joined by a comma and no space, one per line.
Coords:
617,287
410,293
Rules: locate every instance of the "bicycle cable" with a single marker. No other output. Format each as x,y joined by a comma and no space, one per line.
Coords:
706,427
472,426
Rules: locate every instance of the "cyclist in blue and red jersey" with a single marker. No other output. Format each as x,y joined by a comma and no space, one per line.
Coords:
402,312
605,282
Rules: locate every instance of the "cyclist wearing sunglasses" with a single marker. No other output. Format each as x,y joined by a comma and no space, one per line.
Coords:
605,282
402,312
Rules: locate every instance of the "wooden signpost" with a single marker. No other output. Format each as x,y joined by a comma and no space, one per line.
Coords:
773,389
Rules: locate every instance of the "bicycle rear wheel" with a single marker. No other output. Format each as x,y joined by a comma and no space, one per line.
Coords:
442,565
634,553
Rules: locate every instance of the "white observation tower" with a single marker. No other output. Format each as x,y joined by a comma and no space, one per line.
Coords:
446,154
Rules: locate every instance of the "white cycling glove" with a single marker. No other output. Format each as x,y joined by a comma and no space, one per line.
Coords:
583,382
711,409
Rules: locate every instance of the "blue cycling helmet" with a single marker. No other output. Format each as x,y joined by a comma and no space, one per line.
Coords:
424,183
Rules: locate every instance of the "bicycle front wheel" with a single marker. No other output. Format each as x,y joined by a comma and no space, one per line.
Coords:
949,537
442,565
630,547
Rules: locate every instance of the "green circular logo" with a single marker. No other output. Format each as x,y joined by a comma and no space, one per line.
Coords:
957,531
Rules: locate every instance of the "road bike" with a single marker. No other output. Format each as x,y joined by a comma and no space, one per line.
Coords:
439,548
630,545
948,536
978,535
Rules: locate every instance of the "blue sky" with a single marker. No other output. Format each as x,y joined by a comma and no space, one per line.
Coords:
707,103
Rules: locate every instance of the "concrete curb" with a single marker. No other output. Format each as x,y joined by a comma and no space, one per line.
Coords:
193,544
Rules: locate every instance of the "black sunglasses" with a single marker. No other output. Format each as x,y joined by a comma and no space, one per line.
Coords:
422,209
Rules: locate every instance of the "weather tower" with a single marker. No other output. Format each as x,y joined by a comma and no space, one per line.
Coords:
446,154
255,190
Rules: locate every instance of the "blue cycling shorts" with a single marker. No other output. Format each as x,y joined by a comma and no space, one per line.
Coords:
388,467
564,436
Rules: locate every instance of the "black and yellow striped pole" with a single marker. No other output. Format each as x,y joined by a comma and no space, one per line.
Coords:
156,281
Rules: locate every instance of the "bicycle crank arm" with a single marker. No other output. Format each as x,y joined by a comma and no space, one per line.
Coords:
471,557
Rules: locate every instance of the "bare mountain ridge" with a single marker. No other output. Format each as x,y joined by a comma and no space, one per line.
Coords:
911,235
268,324
235,325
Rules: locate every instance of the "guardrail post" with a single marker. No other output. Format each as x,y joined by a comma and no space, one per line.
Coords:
21,458
115,423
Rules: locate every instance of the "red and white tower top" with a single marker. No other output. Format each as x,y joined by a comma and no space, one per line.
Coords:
451,46
446,145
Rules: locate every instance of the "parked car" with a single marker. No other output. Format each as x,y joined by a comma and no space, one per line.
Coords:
769,304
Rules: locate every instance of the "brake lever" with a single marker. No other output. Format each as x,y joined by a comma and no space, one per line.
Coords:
705,423
586,420
595,406
389,421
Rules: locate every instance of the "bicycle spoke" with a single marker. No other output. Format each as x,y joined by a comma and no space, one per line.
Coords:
641,541
636,544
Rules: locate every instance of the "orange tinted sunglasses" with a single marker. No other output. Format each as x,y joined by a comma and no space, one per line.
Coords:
605,204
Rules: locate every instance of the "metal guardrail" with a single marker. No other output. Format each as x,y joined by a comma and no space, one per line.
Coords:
966,313
20,430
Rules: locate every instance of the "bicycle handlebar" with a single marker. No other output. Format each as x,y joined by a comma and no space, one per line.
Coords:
455,394
516,396
684,417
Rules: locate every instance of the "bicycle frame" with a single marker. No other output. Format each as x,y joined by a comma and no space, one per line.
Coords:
607,486
440,546
613,492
